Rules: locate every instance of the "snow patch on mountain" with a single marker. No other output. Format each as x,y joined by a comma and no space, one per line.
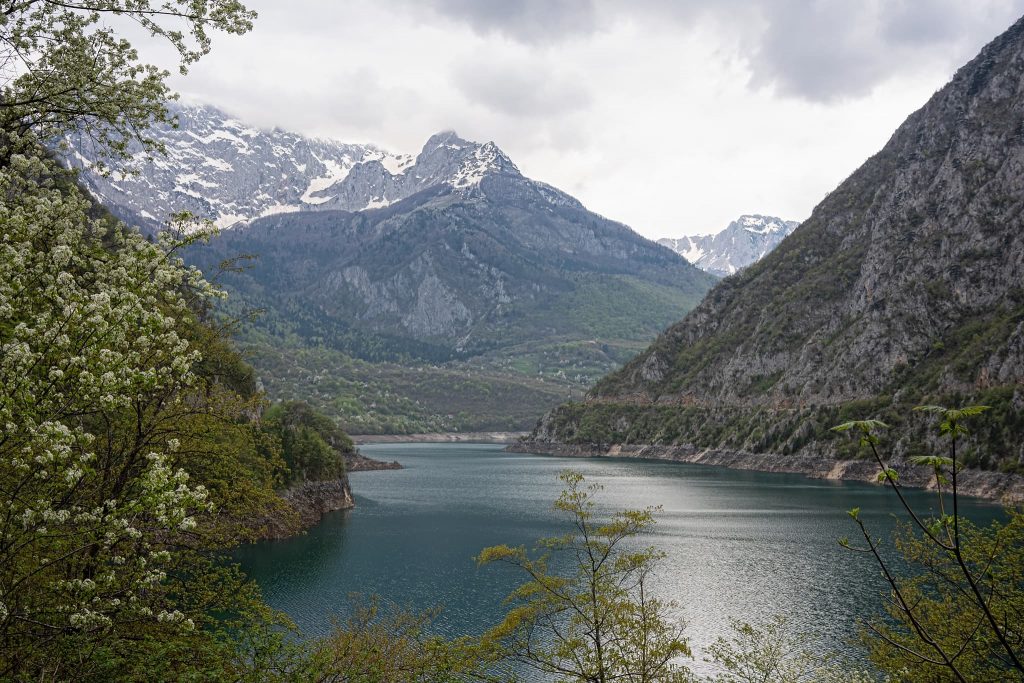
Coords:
335,174
221,169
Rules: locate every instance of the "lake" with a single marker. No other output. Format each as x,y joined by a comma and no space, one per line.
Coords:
745,545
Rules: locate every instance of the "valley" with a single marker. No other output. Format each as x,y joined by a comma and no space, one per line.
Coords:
282,406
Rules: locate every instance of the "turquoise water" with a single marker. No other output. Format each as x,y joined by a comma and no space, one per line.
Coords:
744,545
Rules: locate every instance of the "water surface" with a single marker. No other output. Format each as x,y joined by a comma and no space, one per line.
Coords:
744,545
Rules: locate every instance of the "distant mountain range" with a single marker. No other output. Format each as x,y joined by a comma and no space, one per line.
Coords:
905,286
746,240
429,293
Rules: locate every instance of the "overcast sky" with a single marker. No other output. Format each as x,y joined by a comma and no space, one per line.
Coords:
672,117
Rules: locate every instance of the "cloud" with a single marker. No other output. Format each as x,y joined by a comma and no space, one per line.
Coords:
673,116
527,21
817,50
521,88
831,49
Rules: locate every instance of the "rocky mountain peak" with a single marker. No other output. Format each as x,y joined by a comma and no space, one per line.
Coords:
762,225
445,139
743,242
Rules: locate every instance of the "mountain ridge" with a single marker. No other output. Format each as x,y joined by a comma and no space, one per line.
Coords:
229,172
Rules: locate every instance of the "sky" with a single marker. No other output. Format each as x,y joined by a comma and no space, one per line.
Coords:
672,116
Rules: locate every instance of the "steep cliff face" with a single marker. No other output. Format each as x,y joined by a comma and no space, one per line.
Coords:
457,272
905,284
313,499
303,505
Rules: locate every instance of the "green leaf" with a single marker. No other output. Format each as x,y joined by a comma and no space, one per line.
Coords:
968,411
864,426
890,474
935,461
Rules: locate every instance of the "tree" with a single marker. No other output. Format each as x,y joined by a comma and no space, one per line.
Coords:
65,69
91,368
312,445
957,591
771,652
128,453
586,611
383,644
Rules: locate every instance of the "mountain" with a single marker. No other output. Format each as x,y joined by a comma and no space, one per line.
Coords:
439,292
746,240
220,168
225,170
905,286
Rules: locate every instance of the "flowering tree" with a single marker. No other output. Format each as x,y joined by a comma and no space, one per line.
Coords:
94,378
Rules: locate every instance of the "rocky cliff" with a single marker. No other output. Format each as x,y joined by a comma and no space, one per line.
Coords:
455,272
303,505
905,285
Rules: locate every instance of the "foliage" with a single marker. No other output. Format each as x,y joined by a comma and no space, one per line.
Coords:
957,591
66,70
557,321
585,611
312,446
770,652
372,398
389,645
128,452
994,445
114,451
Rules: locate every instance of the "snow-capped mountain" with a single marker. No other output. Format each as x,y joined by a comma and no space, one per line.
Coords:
745,241
223,169
471,262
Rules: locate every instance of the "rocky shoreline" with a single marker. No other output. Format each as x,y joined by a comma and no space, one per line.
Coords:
357,462
303,506
1007,488
441,437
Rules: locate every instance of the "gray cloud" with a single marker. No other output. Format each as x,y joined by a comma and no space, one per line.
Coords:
671,115
526,21
521,89
830,50
820,50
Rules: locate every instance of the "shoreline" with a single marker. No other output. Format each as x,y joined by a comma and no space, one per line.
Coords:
995,486
439,437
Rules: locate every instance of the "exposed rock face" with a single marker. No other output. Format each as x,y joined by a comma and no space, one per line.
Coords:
905,285
357,462
1007,488
303,505
311,500
452,247
220,168
451,256
446,437
461,270
746,240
